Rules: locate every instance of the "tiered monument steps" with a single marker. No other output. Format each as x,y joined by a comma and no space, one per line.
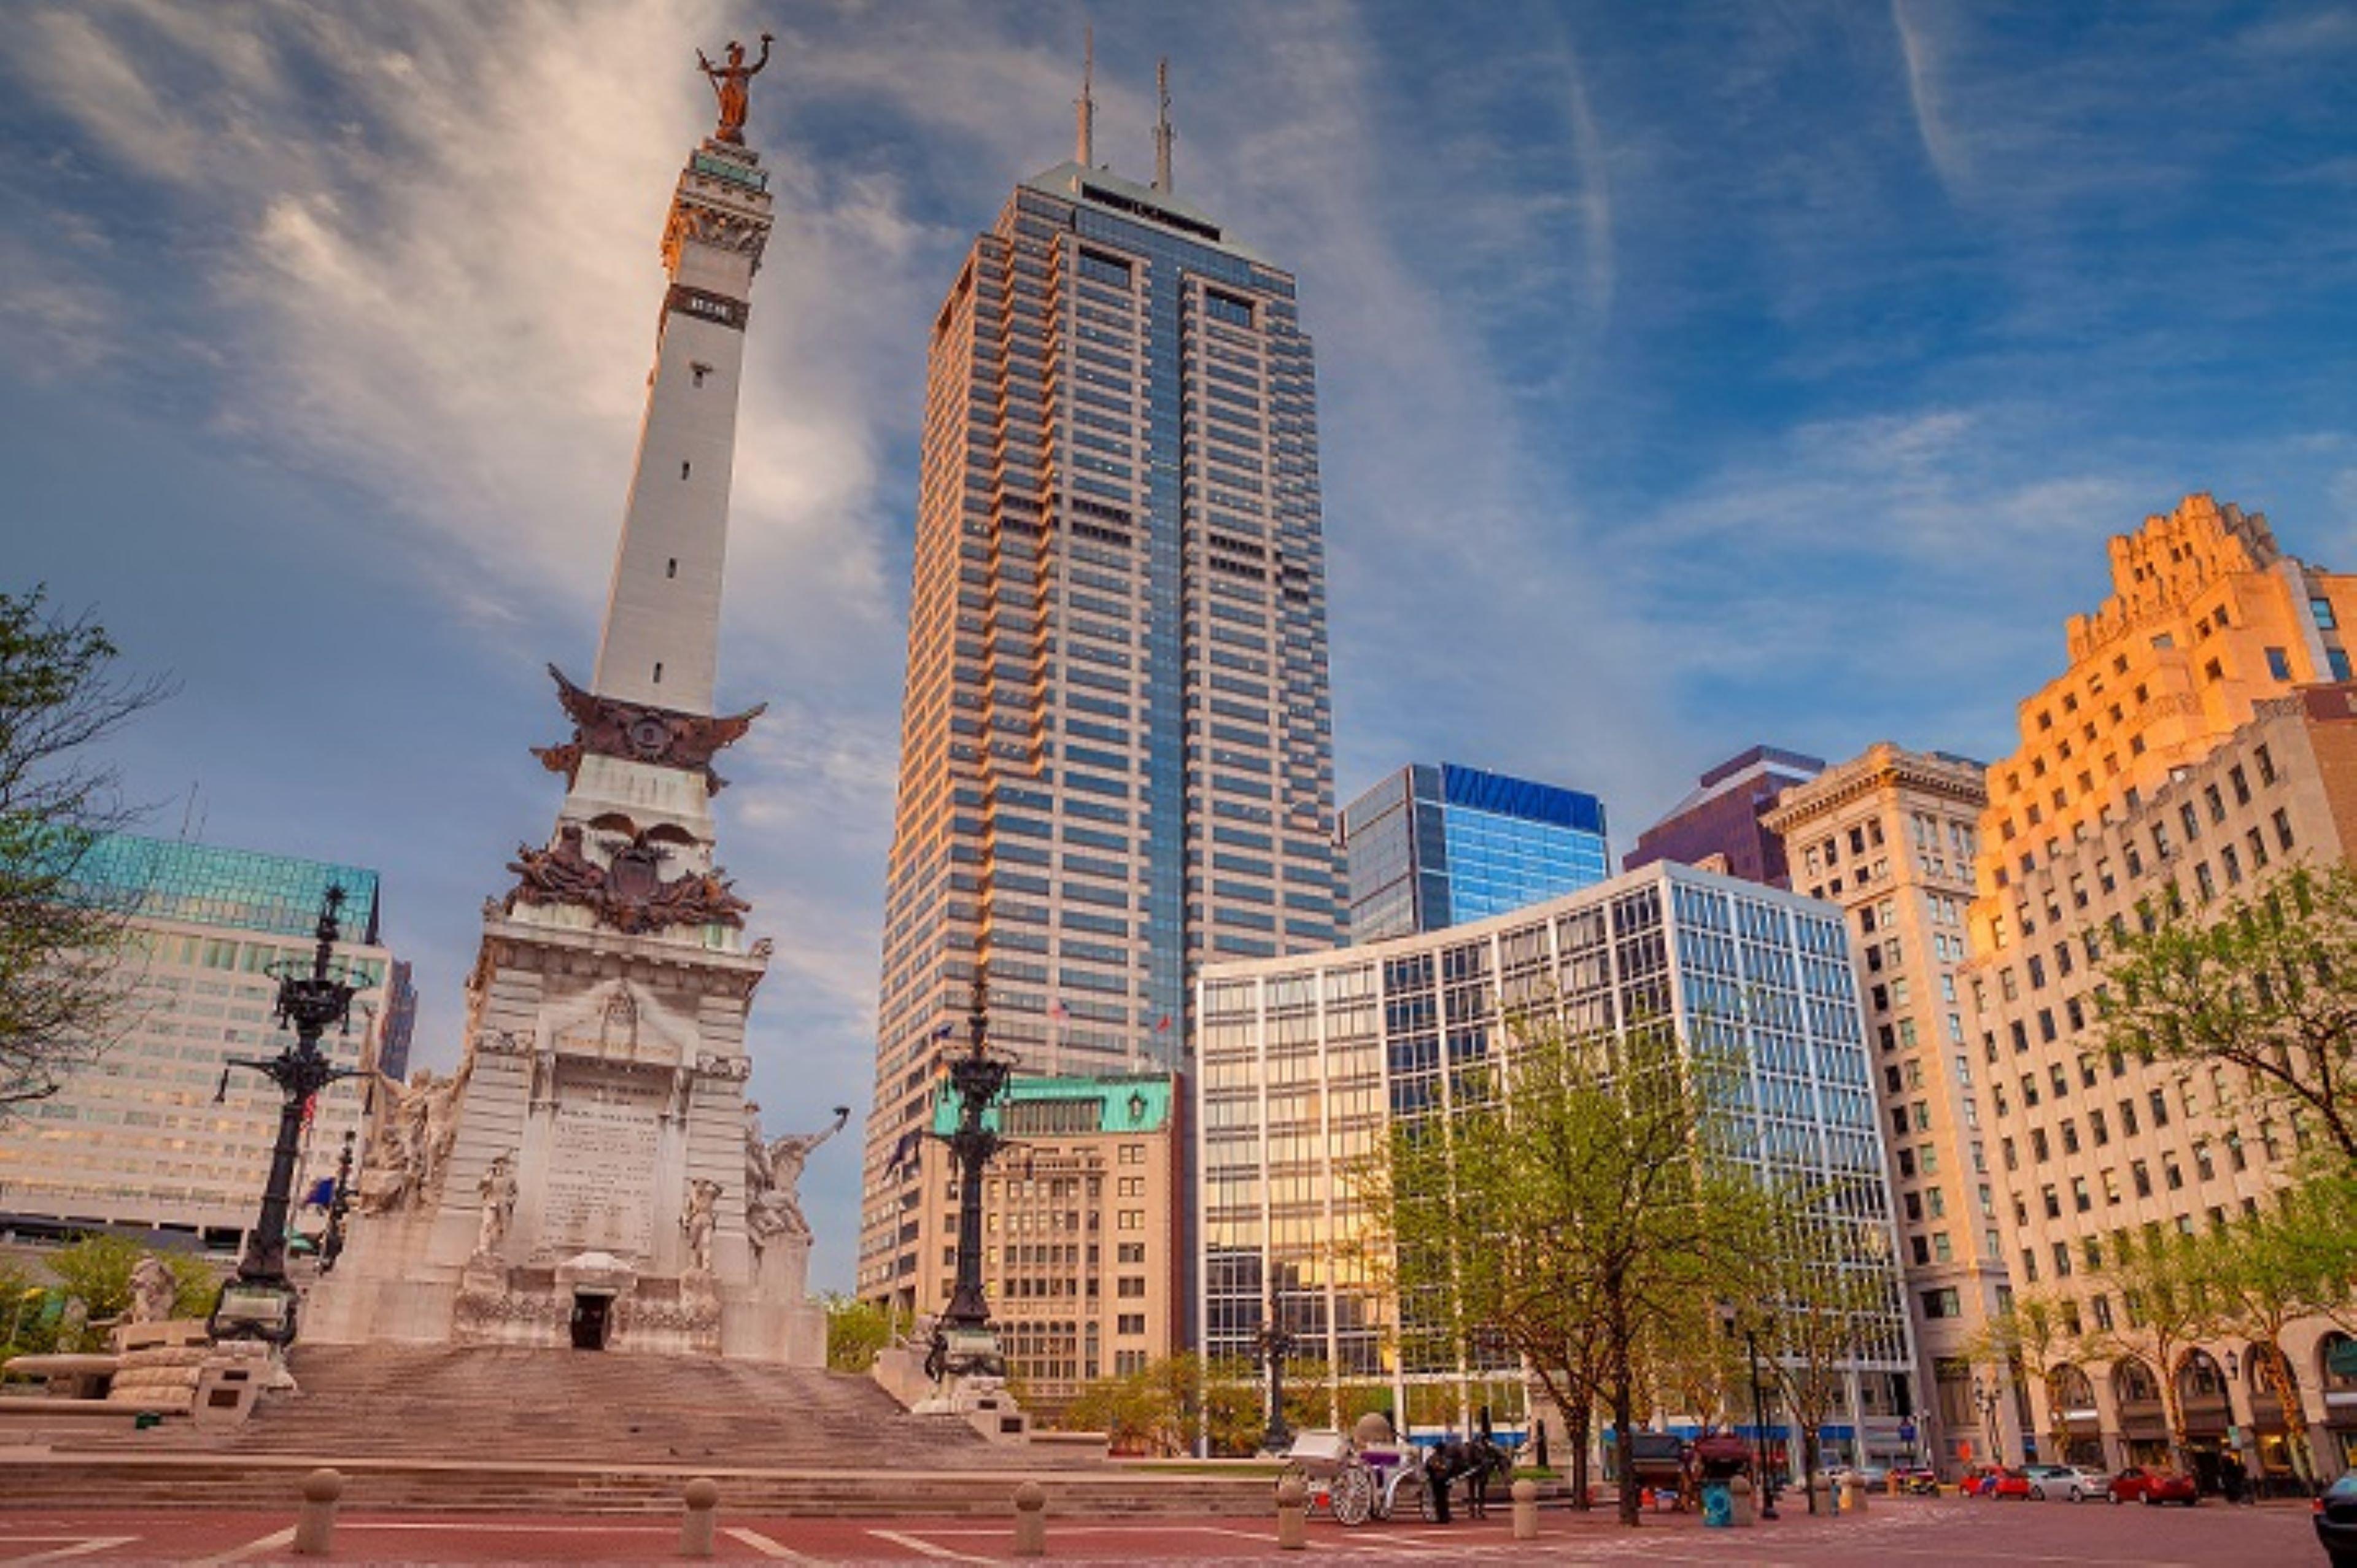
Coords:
451,1427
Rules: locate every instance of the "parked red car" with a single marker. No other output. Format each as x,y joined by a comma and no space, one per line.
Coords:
2010,1484
2137,1484
1979,1481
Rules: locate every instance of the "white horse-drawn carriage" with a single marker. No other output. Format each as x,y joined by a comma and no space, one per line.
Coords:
1356,1483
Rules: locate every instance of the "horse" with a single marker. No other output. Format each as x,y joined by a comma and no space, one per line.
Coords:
1473,1462
1485,1460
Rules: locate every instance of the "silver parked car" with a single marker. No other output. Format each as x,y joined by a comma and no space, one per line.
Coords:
2070,1483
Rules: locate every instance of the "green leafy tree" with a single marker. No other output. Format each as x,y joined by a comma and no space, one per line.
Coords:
62,993
1568,1213
2266,985
28,1323
1827,1296
2168,1305
2265,1269
855,1331
2031,1335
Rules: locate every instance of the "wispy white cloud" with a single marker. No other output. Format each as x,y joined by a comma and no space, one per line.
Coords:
1918,50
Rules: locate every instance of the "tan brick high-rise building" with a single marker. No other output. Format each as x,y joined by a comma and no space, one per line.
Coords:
1081,1241
1889,837
2201,738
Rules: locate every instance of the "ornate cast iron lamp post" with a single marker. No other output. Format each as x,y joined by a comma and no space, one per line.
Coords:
1274,1345
258,1303
962,1341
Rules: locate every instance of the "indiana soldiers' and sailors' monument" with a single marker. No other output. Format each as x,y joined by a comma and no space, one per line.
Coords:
592,1174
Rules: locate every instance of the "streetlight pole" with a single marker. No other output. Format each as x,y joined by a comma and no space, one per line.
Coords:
962,1337
333,1246
1276,1345
1759,1426
258,1302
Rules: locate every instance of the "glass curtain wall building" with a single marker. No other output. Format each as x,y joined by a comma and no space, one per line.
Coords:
1435,846
1116,753
135,1138
1306,1063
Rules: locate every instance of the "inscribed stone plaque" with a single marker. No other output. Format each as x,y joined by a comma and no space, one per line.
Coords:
601,1179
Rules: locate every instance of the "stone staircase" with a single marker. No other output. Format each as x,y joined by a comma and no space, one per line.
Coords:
516,1430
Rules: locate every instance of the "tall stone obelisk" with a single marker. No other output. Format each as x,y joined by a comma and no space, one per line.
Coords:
592,1175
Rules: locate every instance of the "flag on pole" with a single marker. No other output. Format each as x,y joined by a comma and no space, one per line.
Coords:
1163,1026
1055,1008
310,1107
322,1193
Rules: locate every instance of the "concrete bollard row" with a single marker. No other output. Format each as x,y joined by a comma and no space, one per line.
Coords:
702,1496
1745,1512
1526,1509
315,1526
1031,1520
1292,1515
1853,1495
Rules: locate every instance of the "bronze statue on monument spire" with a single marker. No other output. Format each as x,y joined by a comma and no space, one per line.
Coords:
732,83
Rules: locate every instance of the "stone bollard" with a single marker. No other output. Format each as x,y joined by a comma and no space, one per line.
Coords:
1031,1520
703,1497
1853,1495
1292,1515
315,1526
1526,1509
1739,1491
1820,1495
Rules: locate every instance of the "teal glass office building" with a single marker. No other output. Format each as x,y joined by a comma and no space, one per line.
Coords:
1437,846
145,1134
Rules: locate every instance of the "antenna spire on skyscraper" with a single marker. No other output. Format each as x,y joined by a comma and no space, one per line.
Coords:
1163,134
1084,152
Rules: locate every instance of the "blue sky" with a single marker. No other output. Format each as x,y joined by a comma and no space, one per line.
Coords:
1690,375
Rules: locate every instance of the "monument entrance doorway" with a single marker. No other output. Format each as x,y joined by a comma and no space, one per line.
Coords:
590,1314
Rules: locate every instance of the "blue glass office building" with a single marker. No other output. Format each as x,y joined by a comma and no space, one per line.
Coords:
1115,751
1431,847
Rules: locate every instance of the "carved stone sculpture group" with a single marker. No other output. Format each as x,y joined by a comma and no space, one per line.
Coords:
413,1141
773,1171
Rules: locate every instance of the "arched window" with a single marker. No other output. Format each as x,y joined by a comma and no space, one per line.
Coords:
2339,1348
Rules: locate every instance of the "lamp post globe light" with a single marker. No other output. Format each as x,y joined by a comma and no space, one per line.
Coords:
258,1302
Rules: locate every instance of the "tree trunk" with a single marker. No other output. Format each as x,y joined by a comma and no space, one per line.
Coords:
2174,1409
2295,1418
1624,1409
1809,1462
1579,1430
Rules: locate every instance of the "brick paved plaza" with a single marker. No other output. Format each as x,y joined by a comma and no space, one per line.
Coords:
1926,1531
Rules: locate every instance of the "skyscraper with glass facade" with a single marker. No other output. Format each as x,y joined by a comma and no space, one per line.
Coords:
1306,1063
1116,753
1435,846
136,1138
